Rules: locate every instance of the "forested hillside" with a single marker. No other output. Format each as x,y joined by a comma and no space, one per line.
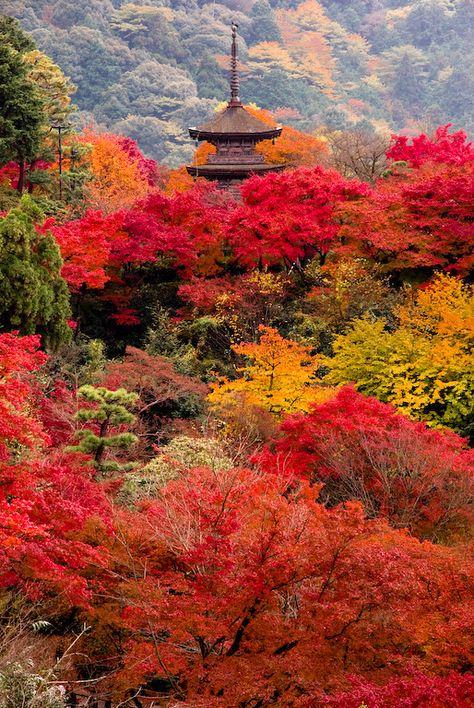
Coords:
236,421
151,68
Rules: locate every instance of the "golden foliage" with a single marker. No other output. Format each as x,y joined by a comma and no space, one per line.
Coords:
304,31
279,376
179,180
426,366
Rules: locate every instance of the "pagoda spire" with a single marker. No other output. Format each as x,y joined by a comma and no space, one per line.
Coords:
234,73
235,133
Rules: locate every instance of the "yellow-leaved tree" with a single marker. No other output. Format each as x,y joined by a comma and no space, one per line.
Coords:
425,367
279,376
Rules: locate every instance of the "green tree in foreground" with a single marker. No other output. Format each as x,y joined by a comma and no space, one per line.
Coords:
108,412
21,106
34,298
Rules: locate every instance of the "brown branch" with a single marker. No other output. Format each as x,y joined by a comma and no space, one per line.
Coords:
243,626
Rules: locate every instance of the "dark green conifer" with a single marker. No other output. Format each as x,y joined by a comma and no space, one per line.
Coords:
210,79
21,106
34,298
264,27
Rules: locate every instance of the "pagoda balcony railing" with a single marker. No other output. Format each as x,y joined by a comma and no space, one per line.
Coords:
230,158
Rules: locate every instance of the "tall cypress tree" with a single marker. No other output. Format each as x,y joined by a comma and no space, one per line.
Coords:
21,107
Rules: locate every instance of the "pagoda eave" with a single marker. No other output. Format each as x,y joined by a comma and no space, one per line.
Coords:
212,137
231,171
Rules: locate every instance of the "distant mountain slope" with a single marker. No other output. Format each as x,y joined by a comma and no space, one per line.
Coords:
151,68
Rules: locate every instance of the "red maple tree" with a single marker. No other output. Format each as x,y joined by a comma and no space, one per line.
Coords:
417,218
359,448
442,146
44,503
255,591
289,217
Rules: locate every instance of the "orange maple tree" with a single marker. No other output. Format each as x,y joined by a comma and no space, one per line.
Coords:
279,376
121,175
254,590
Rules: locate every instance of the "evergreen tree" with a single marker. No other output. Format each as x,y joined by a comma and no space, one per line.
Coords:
55,88
210,80
408,85
264,27
107,409
11,33
33,296
428,22
21,106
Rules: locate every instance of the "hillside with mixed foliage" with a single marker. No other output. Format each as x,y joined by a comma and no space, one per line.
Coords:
236,463
151,68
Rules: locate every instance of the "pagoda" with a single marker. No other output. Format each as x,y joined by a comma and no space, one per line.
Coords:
235,133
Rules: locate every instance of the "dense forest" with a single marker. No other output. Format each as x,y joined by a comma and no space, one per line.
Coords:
236,464
151,68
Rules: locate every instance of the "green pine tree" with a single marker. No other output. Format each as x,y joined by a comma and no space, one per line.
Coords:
34,298
109,410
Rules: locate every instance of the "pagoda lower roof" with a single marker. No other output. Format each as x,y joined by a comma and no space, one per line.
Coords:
236,121
231,171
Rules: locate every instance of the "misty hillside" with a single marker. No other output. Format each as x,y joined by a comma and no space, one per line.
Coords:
151,68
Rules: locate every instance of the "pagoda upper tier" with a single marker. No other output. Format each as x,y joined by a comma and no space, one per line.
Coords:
235,133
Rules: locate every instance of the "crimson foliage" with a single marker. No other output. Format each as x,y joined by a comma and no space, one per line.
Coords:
44,503
359,448
289,217
443,146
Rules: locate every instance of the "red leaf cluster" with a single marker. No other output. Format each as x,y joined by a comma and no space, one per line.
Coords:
290,216
44,504
416,218
153,378
255,592
19,356
455,690
443,146
147,166
87,245
401,470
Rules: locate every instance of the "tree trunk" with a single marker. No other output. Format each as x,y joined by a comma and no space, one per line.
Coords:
21,177
31,186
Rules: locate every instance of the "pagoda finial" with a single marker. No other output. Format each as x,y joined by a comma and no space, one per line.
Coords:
234,74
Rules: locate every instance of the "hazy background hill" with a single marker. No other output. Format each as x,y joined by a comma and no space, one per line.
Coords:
151,68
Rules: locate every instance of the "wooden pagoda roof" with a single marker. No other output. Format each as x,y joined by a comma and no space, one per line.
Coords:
236,121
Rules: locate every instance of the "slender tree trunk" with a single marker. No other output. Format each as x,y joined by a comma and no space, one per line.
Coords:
100,449
31,186
21,177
